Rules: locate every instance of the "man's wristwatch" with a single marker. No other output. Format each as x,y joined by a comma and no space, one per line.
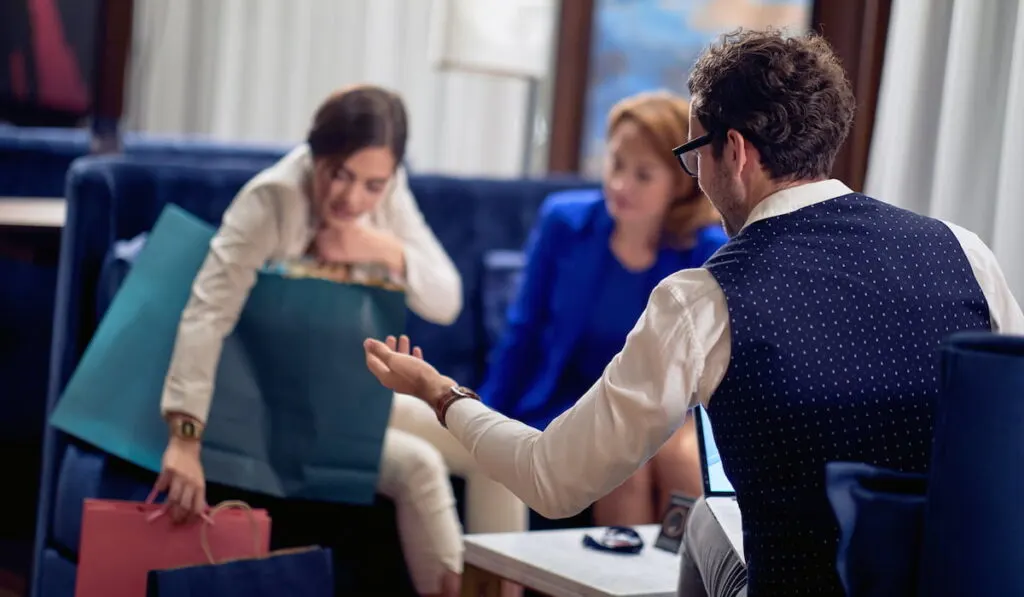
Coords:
185,428
454,394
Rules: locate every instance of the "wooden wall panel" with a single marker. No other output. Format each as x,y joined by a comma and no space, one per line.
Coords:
115,42
857,30
572,68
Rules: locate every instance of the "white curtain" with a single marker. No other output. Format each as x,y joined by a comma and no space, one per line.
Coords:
255,70
949,135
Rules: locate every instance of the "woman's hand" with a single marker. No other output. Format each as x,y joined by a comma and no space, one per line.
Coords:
404,371
357,243
182,479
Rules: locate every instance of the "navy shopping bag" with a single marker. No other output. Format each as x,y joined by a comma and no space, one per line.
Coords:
295,412
303,572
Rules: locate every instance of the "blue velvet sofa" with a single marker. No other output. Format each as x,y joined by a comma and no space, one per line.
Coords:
34,163
117,197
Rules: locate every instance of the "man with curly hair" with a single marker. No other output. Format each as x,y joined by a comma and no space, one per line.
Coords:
811,337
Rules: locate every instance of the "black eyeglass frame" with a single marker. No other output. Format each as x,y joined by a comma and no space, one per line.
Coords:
681,151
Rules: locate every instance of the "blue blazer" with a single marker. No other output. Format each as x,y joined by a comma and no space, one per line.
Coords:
566,255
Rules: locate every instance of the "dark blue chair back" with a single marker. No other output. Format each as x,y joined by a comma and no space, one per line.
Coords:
958,530
974,518
880,514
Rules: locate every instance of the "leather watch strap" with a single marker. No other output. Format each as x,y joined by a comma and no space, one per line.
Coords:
455,393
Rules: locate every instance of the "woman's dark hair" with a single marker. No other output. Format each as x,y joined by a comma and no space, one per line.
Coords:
356,118
788,96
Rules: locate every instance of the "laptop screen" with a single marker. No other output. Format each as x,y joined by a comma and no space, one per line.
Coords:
716,483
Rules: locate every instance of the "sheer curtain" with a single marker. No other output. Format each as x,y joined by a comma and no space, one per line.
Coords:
949,136
250,70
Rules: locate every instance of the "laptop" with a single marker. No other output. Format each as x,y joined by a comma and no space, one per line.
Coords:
718,491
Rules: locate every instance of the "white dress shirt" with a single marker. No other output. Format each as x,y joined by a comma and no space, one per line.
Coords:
674,359
271,219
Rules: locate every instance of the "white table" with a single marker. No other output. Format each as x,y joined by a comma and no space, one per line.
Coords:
32,212
557,564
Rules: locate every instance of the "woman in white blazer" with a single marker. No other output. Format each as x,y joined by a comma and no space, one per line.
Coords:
342,197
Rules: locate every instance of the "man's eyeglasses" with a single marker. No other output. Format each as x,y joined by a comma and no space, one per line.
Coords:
687,155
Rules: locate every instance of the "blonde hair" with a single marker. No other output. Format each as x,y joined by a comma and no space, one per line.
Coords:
665,121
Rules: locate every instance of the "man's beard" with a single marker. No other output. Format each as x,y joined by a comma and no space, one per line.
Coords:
730,230
728,199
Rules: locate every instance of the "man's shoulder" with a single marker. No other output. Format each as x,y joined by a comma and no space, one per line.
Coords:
969,241
979,255
966,238
688,289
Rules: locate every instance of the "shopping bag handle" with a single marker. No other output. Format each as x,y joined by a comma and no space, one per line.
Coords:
230,505
151,499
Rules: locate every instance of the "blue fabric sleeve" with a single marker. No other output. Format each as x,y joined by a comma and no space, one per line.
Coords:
709,241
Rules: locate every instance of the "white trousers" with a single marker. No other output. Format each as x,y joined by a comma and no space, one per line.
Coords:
417,458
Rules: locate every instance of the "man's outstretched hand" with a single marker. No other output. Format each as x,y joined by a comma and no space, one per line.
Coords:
400,367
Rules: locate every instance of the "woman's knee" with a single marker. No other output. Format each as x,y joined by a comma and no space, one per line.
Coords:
677,463
492,508
408,412
628,504
682,446
639,482
413,416
411,466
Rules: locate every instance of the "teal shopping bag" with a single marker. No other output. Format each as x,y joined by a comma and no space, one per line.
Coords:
295,412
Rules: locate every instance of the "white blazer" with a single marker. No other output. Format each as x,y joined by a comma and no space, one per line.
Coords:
271,219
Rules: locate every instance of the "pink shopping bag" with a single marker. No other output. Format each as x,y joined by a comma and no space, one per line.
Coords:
121,543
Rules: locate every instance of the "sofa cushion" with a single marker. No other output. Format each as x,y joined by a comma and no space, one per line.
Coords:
118,262
58,575
503,271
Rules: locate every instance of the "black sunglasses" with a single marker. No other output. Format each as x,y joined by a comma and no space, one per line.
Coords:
687,156
617,540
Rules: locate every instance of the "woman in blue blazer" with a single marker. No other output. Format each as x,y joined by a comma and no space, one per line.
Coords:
593,259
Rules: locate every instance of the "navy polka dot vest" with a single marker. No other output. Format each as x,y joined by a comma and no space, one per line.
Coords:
836,313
